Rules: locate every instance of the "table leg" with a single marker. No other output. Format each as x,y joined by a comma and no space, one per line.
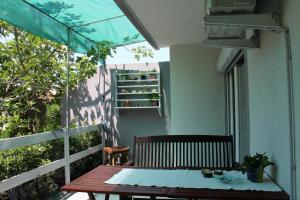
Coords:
91,196
113,160
122,197
106,196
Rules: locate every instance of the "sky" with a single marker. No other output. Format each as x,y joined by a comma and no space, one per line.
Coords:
123,55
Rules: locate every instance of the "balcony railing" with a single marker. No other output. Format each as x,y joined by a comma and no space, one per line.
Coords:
15,142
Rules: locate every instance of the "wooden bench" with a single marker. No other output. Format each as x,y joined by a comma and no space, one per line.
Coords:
184,151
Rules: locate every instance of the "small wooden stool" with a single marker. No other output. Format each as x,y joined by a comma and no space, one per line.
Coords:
113,153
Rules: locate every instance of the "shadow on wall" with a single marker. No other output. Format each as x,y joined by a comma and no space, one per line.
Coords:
85,102
87,106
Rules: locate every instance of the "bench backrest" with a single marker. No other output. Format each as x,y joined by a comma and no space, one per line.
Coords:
184,151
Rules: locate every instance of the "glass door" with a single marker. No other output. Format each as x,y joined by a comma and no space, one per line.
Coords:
233,107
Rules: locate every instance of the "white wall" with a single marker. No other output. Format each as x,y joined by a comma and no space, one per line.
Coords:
268,96
197,91
268,103
291,20
87,106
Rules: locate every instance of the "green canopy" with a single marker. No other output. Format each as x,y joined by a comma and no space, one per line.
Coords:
80,24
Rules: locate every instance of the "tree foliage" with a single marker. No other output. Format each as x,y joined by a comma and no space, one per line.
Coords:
33,80
32,75
142,52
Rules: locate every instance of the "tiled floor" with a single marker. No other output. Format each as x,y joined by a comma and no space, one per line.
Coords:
83,196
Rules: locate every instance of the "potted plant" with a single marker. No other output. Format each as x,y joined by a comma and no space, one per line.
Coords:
255,165
143,77
124,77
127,103
154,99
152,76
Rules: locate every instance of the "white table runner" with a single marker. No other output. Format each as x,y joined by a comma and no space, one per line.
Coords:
189,179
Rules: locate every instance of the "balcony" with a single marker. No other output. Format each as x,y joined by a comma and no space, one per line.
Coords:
231,74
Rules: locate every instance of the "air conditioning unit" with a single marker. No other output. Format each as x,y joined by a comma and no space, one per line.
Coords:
223,37
217,32
271,21
230,6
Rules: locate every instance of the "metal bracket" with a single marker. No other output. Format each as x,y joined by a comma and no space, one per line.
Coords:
249,21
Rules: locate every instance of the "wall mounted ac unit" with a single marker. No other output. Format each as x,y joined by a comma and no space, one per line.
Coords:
269,21
229,6
218,32
222,37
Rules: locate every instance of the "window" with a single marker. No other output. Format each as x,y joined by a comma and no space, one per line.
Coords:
237,115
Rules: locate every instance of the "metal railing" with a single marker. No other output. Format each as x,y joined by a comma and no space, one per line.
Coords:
15,142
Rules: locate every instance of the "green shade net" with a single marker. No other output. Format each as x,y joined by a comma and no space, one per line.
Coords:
80,24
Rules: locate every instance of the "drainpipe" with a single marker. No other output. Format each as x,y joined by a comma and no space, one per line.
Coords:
291,114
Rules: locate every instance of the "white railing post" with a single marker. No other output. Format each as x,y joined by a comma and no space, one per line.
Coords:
66,136
102,142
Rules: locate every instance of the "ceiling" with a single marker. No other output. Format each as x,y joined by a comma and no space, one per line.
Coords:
171,22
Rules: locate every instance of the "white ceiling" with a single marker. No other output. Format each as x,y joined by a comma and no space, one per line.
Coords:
171,22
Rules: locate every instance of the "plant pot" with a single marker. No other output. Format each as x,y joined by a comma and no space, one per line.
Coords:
255,174
154,103
127,103
124,77
152,76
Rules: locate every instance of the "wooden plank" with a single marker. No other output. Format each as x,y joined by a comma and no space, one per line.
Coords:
155,155
180,152
170,153
218,154
202,153
148,154
163,154
85,153
175,157
145,154
152,154
224,157
213,153
134,150
20,141
209,155
159,153
166,154
84,129
205,153
198,154
138,154
195,157
10,143
142,154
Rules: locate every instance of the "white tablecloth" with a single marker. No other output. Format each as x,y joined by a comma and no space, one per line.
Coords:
189,179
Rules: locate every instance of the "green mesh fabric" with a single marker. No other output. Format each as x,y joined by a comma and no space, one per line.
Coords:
88,21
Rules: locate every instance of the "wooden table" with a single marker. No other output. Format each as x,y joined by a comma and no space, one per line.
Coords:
93,182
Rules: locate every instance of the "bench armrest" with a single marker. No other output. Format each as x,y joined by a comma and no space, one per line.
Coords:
236,165
129,163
